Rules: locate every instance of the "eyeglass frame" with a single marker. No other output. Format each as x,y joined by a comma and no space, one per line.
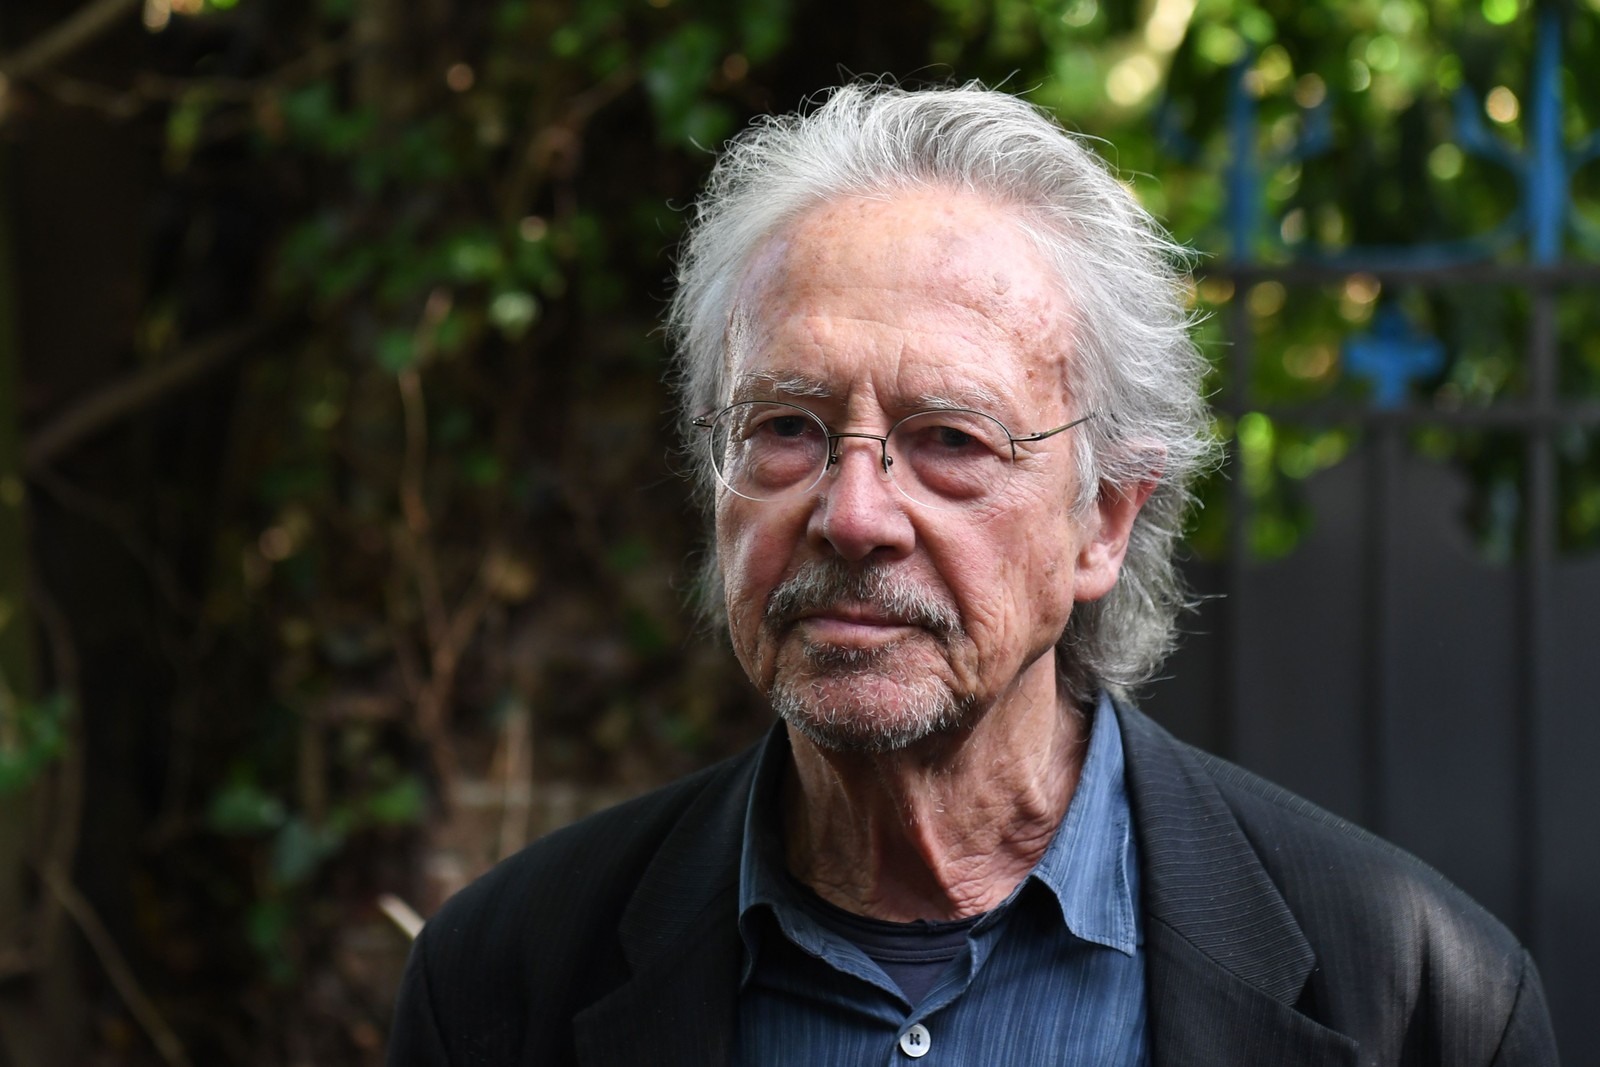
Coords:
708,421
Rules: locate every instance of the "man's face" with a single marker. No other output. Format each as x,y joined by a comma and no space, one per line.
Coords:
869,621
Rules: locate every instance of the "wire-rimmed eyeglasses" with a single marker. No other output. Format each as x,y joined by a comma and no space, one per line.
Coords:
944,458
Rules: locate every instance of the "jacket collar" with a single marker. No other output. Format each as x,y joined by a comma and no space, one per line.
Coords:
680,937
1225,959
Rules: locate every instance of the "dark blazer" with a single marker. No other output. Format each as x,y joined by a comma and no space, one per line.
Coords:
1275,934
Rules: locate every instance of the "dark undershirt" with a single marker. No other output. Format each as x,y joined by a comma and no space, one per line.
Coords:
915,955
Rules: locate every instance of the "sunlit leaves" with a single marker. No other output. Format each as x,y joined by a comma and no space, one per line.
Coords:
512,311
33,735
485,214
473,255
1500,12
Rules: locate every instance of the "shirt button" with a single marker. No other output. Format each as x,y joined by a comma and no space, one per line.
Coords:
916,1041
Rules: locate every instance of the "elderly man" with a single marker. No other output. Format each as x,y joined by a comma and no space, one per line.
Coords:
935,367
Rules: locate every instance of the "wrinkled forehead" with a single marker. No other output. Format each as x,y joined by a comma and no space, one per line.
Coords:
946,293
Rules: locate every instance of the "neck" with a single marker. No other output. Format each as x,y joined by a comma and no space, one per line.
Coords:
945,829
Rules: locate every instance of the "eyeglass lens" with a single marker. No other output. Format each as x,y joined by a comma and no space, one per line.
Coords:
764,450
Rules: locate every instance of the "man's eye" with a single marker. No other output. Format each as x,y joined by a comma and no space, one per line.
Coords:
952,437
943,438
787,426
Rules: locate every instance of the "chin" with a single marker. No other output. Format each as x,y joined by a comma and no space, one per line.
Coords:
865,710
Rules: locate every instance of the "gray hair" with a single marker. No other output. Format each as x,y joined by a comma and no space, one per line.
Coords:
1120,272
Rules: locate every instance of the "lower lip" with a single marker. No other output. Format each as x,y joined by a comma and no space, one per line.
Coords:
827,630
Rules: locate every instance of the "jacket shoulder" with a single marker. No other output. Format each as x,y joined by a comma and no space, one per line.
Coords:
588,868
1405,960
510,959
1327,865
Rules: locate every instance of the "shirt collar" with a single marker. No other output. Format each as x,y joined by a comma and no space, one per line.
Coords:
764,880
1089,866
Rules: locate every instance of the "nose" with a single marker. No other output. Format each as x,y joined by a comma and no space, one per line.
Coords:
859,512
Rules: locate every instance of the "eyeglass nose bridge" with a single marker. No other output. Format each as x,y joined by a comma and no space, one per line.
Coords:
885,462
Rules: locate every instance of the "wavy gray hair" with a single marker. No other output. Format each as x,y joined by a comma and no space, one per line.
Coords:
1121,274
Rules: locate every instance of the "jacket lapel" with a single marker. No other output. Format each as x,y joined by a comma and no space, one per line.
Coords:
680,937
1226,961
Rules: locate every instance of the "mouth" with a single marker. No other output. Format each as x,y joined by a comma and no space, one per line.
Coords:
861,614
852,625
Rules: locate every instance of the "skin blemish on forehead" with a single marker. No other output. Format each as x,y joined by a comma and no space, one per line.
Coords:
980,273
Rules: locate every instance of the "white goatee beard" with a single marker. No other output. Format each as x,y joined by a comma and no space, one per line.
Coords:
847,699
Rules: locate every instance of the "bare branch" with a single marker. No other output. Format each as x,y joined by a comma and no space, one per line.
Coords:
148,90
67,815
116,967
102,512
542,144
122,398
401,914
76,31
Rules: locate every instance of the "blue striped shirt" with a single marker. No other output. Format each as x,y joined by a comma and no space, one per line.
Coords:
1054,975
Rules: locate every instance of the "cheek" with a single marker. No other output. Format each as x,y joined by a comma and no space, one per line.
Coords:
754,555
1019,602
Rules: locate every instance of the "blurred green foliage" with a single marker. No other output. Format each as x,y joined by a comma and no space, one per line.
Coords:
449,500
33,735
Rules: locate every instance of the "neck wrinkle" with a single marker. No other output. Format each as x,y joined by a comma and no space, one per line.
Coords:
938,835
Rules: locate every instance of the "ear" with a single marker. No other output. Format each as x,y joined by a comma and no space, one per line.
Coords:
1105,530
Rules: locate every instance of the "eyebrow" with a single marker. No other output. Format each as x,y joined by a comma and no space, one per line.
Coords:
758,384
973,396
783,384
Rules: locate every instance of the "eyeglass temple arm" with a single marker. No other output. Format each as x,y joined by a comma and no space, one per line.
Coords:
1042,434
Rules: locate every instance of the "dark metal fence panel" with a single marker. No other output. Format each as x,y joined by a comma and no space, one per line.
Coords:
1386,668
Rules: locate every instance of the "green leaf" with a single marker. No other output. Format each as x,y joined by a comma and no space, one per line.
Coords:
566,41
707,124
305,247
452,332
32,737
184,126
342,275
300,848
533,264
270,928
629,554
764,28
243,808
511,16
455,425
482,468
400,804
677,71
308,111
646,634
397,350
474,256
512,312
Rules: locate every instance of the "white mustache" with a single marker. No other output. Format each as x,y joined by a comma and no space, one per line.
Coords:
827,585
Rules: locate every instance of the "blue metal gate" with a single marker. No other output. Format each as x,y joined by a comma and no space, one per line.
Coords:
1391,667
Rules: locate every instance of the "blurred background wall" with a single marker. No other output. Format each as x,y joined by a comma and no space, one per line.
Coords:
342,544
